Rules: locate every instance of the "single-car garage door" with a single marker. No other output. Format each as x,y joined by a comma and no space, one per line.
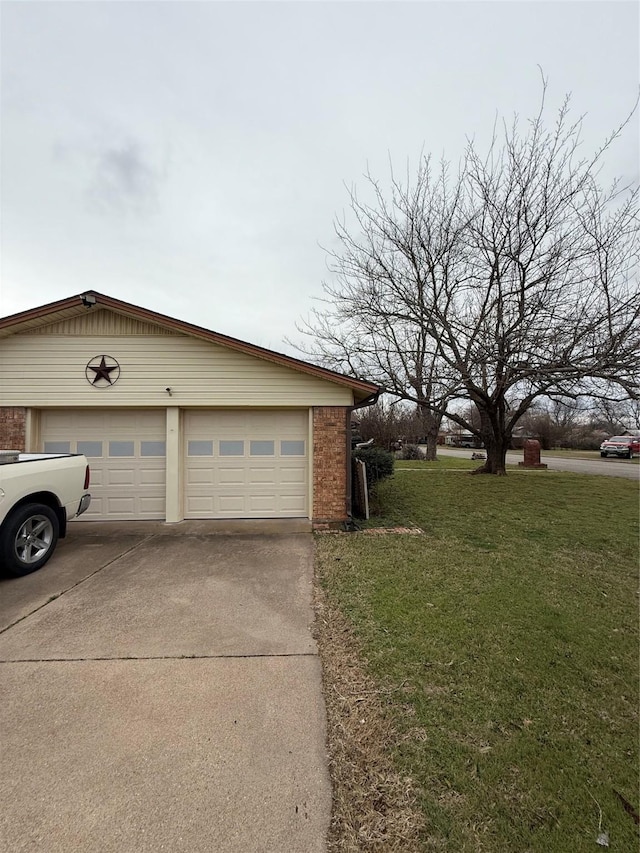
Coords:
246,464
126,453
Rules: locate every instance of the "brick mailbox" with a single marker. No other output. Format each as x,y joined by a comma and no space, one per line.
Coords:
532,455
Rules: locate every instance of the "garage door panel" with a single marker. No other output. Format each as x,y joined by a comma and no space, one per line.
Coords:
232,477
124,507
199,476
263,503
199,506
292,503
151,506
292,475
128,482
58,420
97,478
121,477
232,504
96,507
153,476
88,420
260,476
234,421
257,463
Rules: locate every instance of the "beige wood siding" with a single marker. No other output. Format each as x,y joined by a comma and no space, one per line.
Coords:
100,323
39,371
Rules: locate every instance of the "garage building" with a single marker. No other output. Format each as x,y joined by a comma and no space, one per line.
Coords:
178,422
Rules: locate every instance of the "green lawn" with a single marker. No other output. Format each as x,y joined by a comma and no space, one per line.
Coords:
513,626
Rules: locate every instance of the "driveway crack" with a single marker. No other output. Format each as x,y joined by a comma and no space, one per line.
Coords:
57,595
161,657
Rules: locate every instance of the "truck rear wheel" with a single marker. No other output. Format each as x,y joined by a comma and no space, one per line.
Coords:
29,537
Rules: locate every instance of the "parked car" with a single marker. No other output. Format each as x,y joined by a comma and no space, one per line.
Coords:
39,493
624,446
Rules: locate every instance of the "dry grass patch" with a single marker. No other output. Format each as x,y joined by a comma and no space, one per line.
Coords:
374,806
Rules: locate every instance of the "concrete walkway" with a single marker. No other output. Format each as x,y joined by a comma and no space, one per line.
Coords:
161,690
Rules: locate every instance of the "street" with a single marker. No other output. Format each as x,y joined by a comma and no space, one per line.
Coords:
607,467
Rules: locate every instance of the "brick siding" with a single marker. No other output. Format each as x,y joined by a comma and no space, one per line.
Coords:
12,428
330,482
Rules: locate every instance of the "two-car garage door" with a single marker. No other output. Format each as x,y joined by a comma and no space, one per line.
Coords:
232,464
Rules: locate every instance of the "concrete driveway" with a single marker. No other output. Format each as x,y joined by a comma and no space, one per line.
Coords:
161,690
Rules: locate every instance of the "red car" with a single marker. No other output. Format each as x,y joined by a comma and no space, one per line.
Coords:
625,446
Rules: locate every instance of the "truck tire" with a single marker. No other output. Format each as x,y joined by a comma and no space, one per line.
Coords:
28,538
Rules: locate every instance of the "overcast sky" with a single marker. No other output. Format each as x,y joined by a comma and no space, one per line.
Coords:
191,157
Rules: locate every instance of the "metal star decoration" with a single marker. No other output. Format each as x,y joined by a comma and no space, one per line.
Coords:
102,366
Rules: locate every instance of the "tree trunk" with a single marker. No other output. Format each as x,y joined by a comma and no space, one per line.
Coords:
495,437
431,428
496,447
432,447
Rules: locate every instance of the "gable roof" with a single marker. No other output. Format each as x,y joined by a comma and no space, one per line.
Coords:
75,306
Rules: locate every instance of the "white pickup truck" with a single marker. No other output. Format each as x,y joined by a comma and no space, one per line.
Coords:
39,493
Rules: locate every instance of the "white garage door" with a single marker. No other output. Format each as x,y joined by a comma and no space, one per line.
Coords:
126,453
246,464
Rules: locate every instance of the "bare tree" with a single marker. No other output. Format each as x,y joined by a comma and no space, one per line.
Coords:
381,422
555,423
391,423
616,415
513,279
374,322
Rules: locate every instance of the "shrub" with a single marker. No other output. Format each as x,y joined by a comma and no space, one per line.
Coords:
411,451
379,463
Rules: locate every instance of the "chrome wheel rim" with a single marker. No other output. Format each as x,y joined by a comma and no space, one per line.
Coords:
33,539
